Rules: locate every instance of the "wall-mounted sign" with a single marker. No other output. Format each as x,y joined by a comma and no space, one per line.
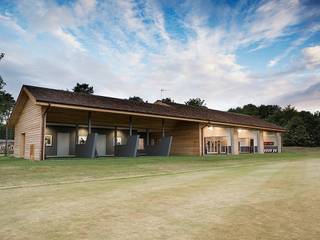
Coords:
48,140
271,150
119,141
269,143
82,139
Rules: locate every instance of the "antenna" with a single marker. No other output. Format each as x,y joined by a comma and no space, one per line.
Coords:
162,91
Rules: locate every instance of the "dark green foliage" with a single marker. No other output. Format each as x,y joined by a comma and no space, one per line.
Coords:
303,128
196,102
3,132
167,100
136,99
6,103
83,88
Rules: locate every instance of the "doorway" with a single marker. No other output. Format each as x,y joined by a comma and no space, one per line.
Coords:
63,144
251,146
101,145
215,145
22,145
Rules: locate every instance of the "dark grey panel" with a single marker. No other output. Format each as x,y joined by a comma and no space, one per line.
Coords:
129,149
161,149
87,150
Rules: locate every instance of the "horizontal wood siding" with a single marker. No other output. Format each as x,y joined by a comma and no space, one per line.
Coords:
186,139
29,124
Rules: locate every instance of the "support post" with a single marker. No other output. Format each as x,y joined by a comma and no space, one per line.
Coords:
115,138
279,142
147,137
43,129
234,141
260,142
89,122
6,146
77,134
130,125
163,130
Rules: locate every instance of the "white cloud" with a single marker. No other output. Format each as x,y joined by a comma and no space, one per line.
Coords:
312,56
126,50
273,17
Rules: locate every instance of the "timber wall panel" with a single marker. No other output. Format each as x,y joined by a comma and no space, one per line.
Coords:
29,123
185,139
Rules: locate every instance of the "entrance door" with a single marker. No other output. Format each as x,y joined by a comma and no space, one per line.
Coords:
251,145
22,145
101,144
63,142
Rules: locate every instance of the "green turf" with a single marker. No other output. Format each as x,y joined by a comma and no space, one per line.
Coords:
269,196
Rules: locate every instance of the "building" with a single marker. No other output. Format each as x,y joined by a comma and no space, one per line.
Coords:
51,123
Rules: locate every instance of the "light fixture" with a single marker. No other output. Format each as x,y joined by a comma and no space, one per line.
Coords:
210,128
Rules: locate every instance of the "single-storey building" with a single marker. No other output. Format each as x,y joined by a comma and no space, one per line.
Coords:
54,123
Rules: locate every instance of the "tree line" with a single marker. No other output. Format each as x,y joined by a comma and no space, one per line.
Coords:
303,127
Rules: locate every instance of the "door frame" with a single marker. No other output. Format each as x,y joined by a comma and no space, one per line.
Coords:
22,145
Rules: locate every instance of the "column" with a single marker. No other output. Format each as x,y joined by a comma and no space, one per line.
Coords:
115,138
279,141
163,132
130,125
147,137
260,141
234,141
77,134
89,122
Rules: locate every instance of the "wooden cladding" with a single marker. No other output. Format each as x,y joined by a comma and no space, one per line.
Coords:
27,142
186,139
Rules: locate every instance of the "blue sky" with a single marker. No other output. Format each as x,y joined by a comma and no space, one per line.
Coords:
229,53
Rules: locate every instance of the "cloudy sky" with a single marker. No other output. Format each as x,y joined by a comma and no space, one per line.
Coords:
229,53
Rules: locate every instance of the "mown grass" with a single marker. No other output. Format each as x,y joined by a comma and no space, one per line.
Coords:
15,171
270,196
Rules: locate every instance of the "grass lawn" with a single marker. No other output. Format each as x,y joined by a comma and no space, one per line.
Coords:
270,196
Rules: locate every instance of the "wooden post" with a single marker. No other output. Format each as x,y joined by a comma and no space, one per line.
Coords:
115,138
130,125
163,132
43,129
147,137
6,146
89,122
77,134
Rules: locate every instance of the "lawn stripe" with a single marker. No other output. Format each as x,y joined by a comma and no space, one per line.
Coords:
131,177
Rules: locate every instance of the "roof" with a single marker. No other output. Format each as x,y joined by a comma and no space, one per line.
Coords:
53,96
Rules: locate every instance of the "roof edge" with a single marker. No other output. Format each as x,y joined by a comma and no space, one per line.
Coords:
85,108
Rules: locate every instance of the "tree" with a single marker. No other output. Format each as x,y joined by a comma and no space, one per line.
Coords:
136,99
196,102
6,103
303,127
297,134
83,88
167,100
248,109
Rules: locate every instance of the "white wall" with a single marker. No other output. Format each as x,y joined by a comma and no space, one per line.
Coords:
247,134
218,132
270,137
